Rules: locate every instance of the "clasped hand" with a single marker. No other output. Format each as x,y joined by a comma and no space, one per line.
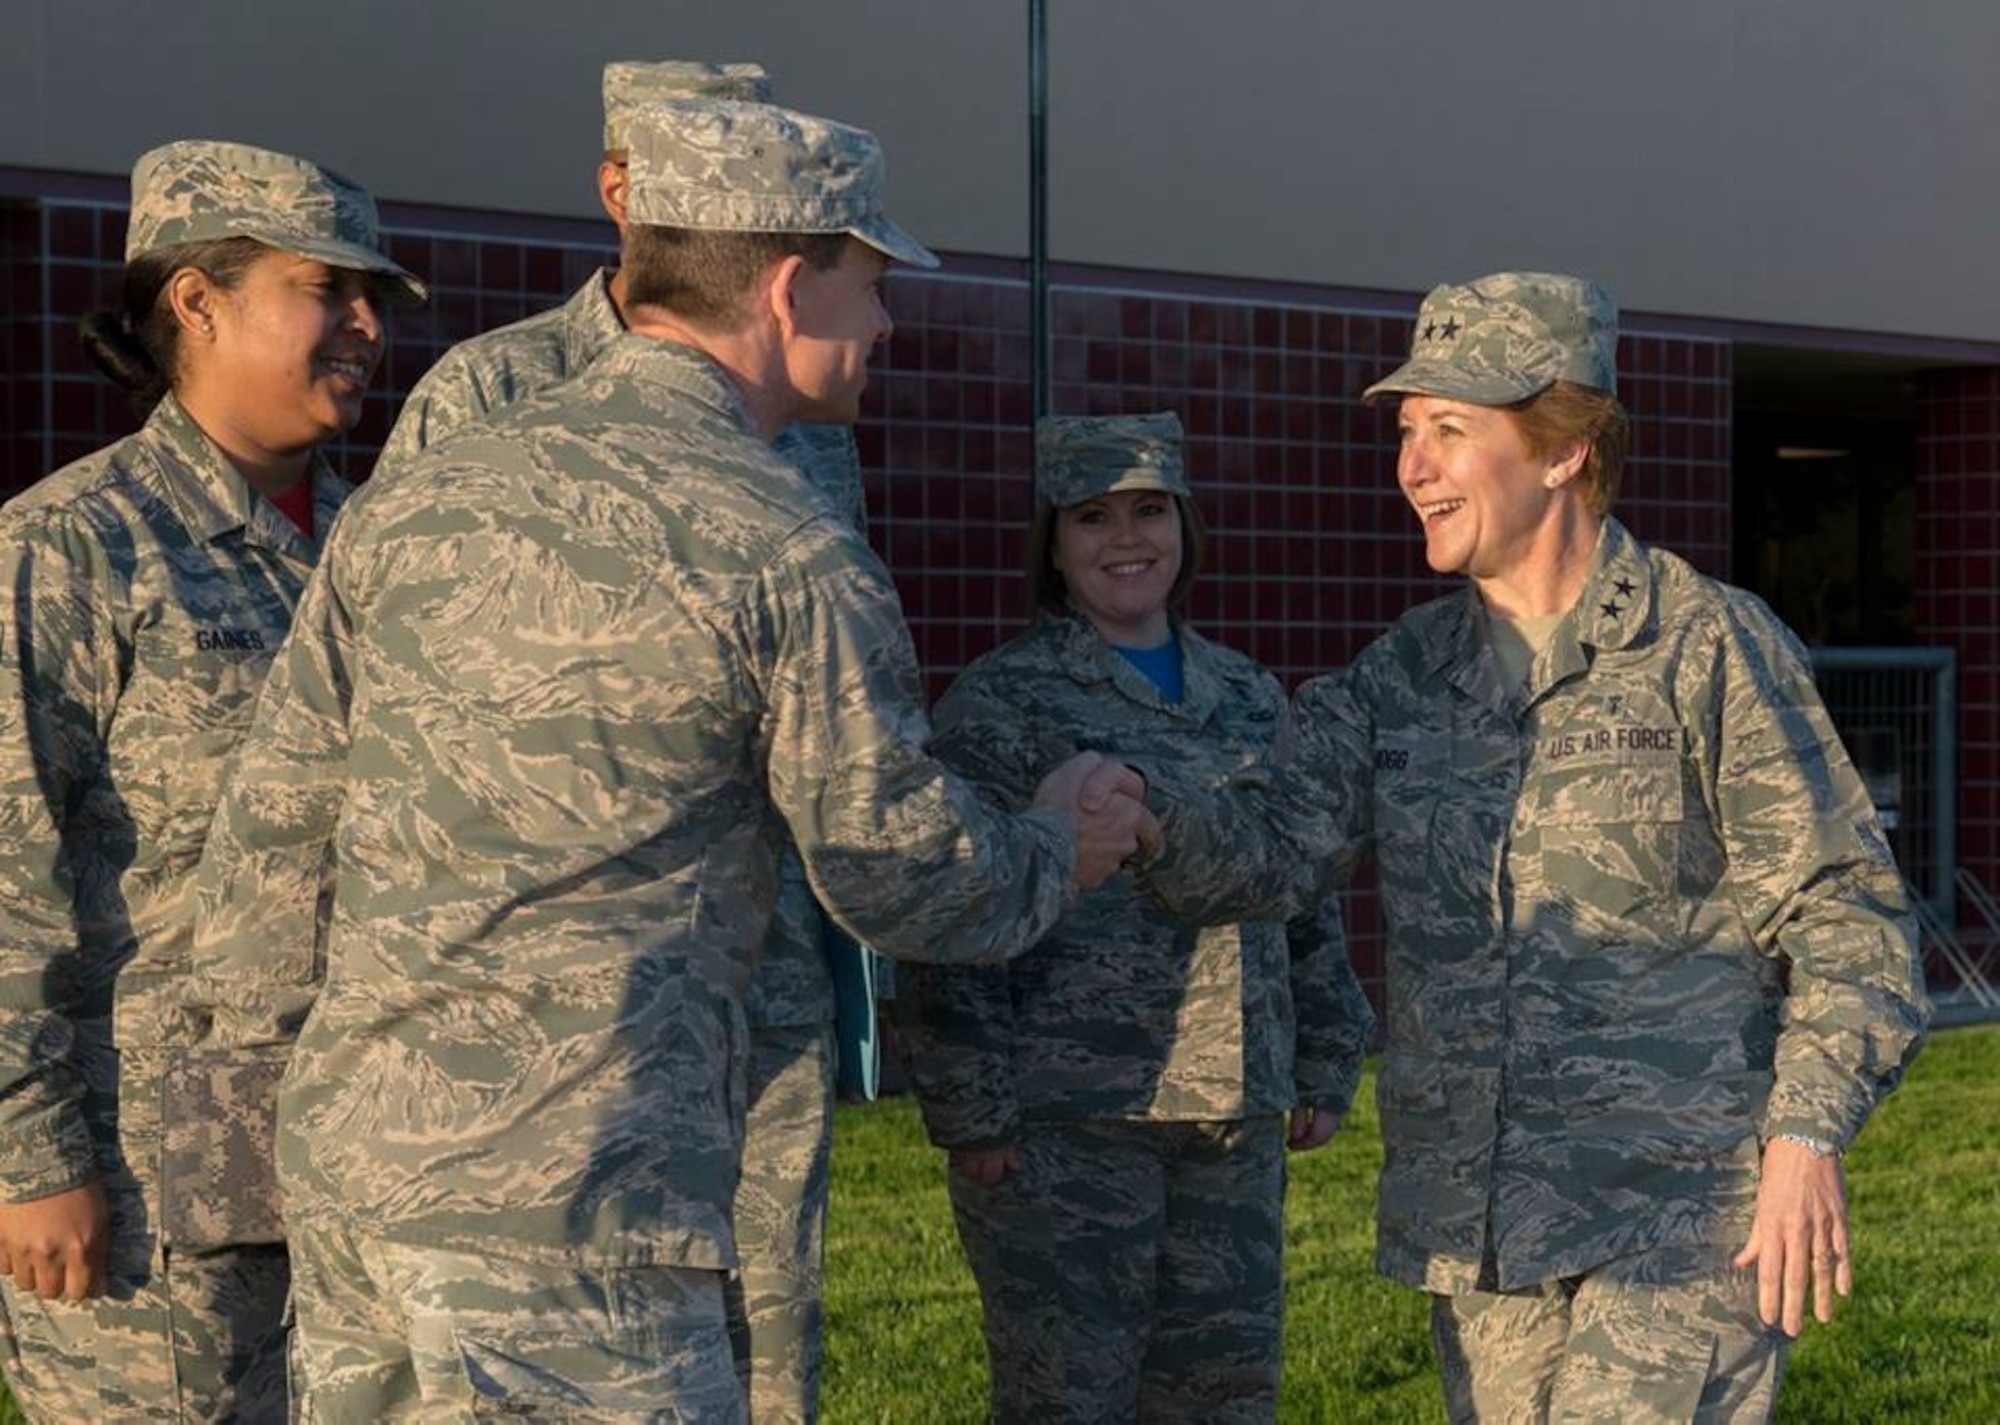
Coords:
1103,797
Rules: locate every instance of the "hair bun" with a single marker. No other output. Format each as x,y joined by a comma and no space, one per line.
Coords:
115,349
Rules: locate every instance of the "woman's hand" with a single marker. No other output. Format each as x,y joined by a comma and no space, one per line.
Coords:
1801,1228
1310,1128
1104,800
58,1246
986,1167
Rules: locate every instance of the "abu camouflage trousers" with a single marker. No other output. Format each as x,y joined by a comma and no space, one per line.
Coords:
384,1331
194,1337
775,1313
1655,1337
1133,1271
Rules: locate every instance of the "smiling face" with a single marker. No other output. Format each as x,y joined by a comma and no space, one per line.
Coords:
838,319
1119,555
1482,495
287,353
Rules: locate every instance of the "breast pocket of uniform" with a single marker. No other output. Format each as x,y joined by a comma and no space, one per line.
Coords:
1409,779
1611,837
190,698
205,676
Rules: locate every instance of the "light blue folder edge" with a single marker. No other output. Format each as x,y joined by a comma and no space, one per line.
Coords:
857,1027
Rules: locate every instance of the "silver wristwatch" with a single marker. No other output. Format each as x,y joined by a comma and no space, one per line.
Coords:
1818,1147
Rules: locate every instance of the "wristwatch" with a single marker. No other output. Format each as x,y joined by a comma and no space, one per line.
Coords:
1818,1147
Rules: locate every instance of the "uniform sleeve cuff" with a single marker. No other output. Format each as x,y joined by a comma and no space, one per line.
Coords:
41,1164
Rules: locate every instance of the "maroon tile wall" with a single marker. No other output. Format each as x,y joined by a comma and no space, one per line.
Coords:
21,327
1312,552
63,261
1957,592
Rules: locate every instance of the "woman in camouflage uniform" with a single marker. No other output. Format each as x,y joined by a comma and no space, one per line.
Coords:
1608,804
1115,1101
151,583
1650,961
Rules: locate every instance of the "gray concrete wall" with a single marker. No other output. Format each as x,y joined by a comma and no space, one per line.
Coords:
1818,162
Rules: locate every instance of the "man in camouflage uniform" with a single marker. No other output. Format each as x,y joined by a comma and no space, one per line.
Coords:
1115,1101
557,691
775,1303
152,584
1650,960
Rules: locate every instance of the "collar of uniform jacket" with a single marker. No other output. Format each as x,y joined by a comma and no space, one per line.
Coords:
214,500
685,370
1613,611
1089,658
1617,601
590,322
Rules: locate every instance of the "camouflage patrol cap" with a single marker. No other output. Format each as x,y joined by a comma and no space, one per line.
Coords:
1078,458
1503,338
205,190
628,83
729,166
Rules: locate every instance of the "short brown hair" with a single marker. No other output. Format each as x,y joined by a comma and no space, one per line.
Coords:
706,276
1568,414
1051,594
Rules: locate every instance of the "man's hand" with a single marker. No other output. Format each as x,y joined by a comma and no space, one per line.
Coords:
1102,796
58,1245
1309,1129
1088,782
986,1167
1800,1230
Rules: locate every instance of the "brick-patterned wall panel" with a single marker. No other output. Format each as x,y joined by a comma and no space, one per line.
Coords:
22,358
1957,592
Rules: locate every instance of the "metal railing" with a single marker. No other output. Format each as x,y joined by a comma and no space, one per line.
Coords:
1971,954
1897,712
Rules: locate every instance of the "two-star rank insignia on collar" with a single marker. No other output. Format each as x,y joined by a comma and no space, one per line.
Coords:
1430,330
1612,608
1624,586
1450,328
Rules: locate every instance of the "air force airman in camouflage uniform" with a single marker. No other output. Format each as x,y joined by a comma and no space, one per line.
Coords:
775,1311
551,703
1650,960
1131,1076
151,585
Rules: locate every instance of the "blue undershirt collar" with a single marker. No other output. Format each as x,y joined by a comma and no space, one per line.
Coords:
1162,666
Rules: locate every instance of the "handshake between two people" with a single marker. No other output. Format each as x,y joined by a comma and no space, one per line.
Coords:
1105,800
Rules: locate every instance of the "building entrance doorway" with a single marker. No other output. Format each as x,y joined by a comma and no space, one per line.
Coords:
1825,453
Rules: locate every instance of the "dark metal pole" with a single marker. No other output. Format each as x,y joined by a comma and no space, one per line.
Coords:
1038,203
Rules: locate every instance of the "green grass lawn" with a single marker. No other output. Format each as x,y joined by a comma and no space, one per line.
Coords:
1919,1341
